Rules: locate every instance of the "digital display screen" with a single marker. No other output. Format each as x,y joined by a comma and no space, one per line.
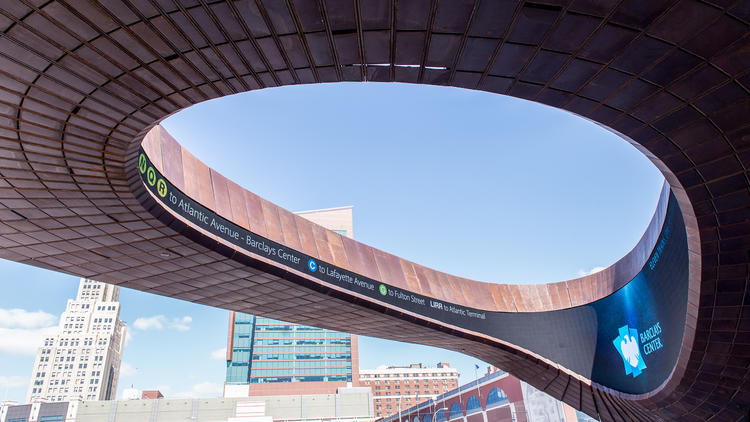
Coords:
628,341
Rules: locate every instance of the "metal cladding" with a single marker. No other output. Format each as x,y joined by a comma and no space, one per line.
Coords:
81,83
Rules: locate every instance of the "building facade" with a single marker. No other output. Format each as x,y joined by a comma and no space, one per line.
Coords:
270,357
82,360
401,387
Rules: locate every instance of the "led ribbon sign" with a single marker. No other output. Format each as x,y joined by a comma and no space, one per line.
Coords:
628,341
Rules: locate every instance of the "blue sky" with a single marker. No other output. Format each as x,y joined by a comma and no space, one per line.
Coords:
475,184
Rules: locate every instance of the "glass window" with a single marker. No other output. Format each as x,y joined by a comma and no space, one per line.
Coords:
497,397
473,405
456,411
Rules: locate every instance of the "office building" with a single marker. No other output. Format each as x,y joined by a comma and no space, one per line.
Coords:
82,360
270,357
401,387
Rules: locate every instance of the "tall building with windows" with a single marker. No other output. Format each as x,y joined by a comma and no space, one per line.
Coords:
270,357
82,360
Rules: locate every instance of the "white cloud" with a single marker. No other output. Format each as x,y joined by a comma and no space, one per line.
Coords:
127,370
21,318
13,381
181,324
159,322
583,272
23,332
128,337
219,354
151,323
18,341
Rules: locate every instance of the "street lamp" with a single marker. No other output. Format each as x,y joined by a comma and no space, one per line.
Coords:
437,410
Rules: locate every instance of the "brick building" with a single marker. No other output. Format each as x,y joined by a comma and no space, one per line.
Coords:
401,387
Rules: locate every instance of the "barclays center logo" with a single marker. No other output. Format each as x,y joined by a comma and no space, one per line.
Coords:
630,351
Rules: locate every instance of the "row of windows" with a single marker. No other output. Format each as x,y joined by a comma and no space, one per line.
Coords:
240,355
242,341
296,349
243,329
387,393
300,342
261,380
301,356
405,399
294,328
301,371
73,352
65,359
240,318
423,381
266,321
304,356
412,375
66,375
408,387
260,332
101,327
302,364
99,320
63,390
286,331
75,319
273,327
69,342
303,334
244,356
270,322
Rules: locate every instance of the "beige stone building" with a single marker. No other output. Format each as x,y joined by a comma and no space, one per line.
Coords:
82,360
